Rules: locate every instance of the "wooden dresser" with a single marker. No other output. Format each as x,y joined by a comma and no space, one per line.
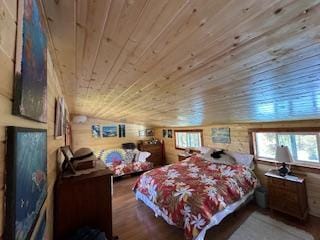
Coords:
287,194
83,200
156,150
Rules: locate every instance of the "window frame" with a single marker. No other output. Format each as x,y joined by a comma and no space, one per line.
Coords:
188,130
304,130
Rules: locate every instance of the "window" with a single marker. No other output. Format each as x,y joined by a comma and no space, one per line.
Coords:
303,145
188,138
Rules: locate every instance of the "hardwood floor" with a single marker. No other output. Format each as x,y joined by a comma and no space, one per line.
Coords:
132,220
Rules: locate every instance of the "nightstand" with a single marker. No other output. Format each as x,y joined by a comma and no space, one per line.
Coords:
183,156
287,194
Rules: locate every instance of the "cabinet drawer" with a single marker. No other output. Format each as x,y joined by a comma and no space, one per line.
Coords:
283,184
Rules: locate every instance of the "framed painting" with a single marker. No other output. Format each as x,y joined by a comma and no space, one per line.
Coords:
60,118
221,135
26,180
41,232
142,133
164,133
169,133
109,131
96,131
149,132
30,87
122,130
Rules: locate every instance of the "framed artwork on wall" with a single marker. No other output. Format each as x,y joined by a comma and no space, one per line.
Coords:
122,130
30,87
96,131
169,133
109,131
26,180
142,133
41,232
221,135
164,133
149,132
60,118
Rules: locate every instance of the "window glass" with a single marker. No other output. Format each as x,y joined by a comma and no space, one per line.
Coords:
188,139
302,146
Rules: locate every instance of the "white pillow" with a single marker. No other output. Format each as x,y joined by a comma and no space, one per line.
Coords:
207,154
224,159
142,156
204,150
242,158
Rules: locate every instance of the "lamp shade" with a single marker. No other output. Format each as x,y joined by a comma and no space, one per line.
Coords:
283,154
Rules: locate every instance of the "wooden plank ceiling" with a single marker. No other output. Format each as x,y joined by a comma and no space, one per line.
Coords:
188,62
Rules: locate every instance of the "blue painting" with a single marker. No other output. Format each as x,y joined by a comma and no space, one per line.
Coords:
26,179
40,235
221,135
30,92
109,131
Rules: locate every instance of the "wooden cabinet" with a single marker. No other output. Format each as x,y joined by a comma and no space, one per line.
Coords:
156,150
83,200
287,195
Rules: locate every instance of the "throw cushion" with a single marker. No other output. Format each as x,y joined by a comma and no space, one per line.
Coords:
113,156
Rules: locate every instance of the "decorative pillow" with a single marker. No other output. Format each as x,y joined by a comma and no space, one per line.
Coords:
130,155
142,157
242,158
113,156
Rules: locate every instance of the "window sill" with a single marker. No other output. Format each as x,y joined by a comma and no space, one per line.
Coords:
312,168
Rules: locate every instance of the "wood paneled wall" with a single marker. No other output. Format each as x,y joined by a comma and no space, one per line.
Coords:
8,24
240,143
82,137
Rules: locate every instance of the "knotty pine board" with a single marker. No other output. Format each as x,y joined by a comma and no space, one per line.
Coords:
240,143
7,48
82,137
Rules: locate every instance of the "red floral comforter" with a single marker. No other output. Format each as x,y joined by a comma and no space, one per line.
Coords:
122,168
189,193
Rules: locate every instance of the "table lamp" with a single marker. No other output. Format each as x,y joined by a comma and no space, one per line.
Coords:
283,155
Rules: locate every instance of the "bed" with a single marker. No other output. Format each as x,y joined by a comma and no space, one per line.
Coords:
195,194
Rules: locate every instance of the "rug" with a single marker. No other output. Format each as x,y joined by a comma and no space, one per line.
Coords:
262,227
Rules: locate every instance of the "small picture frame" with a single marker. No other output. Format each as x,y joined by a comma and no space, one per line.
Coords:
164,133
142,133
169,133
109,131
149,132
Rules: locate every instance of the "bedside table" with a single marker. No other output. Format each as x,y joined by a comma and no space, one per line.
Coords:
287,194
183,156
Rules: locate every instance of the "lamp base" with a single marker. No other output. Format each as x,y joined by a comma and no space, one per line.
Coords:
283,171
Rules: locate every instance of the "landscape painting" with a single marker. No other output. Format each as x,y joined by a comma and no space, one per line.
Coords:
26,165
109,131
30,88
221,135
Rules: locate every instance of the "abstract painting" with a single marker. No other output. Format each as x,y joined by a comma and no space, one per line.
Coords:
40,235
221,135
26,165
109,131
96,131
30,88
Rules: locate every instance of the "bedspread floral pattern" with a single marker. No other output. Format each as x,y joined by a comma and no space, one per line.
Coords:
122,168
189,193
